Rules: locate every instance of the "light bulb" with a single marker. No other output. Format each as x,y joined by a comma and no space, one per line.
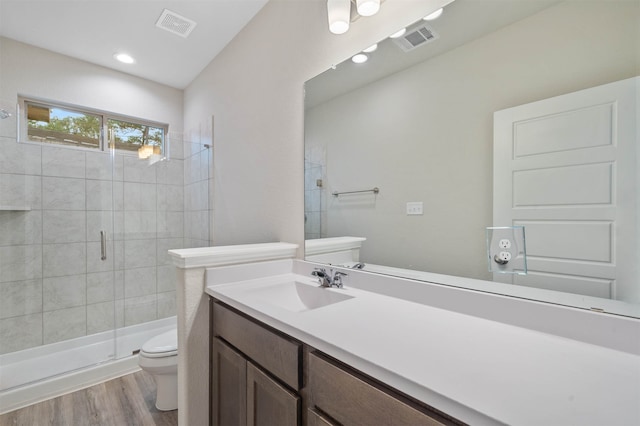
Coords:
367,7
433,15
339,15
124,58
360,58
371,48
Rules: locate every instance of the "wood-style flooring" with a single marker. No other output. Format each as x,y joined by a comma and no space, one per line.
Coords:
128,400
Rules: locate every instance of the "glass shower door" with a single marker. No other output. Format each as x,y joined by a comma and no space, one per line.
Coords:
57,276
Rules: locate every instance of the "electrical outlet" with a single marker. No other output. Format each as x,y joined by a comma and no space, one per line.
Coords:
505,256
415,208
504,243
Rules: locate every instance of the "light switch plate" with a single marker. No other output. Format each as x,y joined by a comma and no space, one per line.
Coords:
414,208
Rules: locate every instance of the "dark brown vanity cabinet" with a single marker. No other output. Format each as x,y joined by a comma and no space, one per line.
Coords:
255,373
257,379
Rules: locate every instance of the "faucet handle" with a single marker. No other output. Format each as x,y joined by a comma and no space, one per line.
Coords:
337,278
324,279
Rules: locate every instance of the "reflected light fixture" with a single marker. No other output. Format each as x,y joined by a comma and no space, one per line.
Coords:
398,33
124,58
360,58
367,7
339,15
371,48
146,151
433,15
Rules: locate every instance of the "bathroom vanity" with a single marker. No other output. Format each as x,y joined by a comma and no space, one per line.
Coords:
261,376
386,350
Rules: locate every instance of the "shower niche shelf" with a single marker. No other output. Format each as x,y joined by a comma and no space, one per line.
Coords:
14,208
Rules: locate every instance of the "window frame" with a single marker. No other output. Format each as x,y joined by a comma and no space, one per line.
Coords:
105,116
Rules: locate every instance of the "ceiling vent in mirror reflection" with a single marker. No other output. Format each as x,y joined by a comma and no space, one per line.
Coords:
176,24
418,37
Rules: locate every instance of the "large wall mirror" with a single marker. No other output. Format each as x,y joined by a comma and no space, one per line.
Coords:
511,112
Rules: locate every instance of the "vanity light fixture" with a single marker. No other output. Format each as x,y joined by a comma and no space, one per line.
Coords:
367,7
433,15
371,48
360,58
398,33
124,58
339,12
339,15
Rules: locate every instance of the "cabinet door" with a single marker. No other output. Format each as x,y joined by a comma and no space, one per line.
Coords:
269,403
229,386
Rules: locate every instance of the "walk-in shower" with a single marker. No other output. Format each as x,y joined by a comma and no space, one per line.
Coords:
85,277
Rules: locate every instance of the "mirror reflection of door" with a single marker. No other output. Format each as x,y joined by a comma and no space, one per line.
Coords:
564,168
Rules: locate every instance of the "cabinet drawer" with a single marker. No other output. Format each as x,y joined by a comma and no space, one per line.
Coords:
275,353
350,400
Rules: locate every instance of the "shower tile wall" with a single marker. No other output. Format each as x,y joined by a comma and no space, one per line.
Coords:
314,203
53,284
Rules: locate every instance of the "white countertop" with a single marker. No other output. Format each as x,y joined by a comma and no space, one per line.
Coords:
477,370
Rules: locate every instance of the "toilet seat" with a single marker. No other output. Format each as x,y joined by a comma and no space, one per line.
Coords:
161,346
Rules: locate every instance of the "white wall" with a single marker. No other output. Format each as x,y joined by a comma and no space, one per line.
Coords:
255,90
31,71
437,146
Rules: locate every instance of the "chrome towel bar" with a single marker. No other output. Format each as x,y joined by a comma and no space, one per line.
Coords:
374,190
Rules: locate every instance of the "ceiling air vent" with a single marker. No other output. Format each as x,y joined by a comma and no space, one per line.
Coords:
415,38
176,24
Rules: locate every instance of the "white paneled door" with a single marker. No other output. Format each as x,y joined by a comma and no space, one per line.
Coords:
565,168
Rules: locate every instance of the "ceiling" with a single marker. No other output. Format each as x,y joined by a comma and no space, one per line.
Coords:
95,30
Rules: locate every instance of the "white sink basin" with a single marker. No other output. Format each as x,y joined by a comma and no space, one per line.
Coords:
298,297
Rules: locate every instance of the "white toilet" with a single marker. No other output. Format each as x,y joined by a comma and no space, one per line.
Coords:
159,357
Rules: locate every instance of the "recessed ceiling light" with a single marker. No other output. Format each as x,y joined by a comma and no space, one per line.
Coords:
398,34
433,15
371,48
360,58
124,58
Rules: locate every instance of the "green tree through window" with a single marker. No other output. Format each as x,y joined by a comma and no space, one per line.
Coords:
53,124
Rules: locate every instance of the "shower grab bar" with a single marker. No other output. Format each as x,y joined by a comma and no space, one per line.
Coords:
103,245
374,190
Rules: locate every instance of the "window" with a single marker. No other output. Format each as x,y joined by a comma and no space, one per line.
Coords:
83,128
62,126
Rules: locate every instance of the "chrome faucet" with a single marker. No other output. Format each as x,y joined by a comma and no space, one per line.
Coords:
328,279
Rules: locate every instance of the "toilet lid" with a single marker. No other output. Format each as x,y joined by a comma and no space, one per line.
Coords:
165,344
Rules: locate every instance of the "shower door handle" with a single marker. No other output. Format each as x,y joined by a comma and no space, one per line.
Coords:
103,245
